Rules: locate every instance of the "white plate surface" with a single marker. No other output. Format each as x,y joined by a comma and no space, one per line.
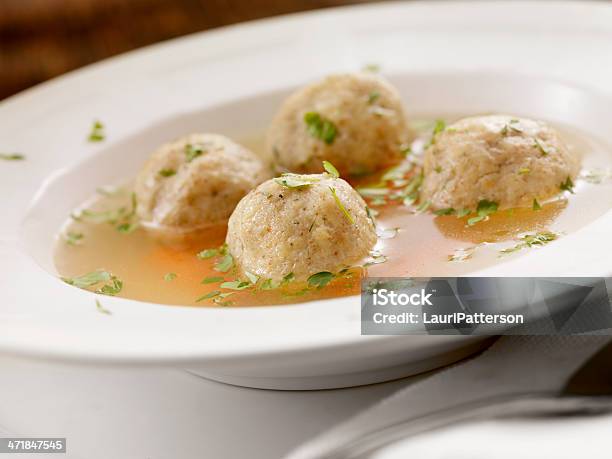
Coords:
542,59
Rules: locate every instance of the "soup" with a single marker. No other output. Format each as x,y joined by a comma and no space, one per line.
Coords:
101,237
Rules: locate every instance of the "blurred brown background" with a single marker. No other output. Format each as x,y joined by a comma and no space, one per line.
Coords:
40,39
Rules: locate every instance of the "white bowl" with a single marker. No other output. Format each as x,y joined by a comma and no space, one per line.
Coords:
231,81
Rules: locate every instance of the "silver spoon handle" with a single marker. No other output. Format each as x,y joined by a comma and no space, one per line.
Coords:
527,405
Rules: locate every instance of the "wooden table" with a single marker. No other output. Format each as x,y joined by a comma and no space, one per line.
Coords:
40,39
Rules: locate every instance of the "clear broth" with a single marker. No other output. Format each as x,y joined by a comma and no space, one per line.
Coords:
423,245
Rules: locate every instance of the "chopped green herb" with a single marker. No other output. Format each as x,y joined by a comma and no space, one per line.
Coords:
397,172
540,147
287,278
207,253
209,295
72,238
235,285
12,156
97,132
447,211
225,263
193,151
536,205
371,213
89,279
127,228
167,172
373,192
531,240
568,185
463,212
170,277
320,128
114,216
321,279
410,194
296,180
102,309
343,209
218,299
253,278
438,128
212,280
269,284
484,209
374,68
524,170
331,170
423,206
509,127
373,97
438,169
112,286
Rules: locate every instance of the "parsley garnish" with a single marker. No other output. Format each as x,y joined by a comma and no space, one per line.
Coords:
373,97
102,309
343,209
89,279
209,295
225,263
112,284
127,228
72,238
536,205
568,185
122,217
253,278
447,211
321,279
331,170
320,128
12,156
170,277
167,172
113,288
235,285
207,253
540,147
212,280
374,68
524,170
97,132
484,209
193,151
531,240
438,128
296,180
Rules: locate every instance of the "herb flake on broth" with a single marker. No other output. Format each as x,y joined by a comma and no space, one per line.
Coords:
112,285
531,240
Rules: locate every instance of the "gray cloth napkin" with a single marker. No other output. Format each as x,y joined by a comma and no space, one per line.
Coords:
512,365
